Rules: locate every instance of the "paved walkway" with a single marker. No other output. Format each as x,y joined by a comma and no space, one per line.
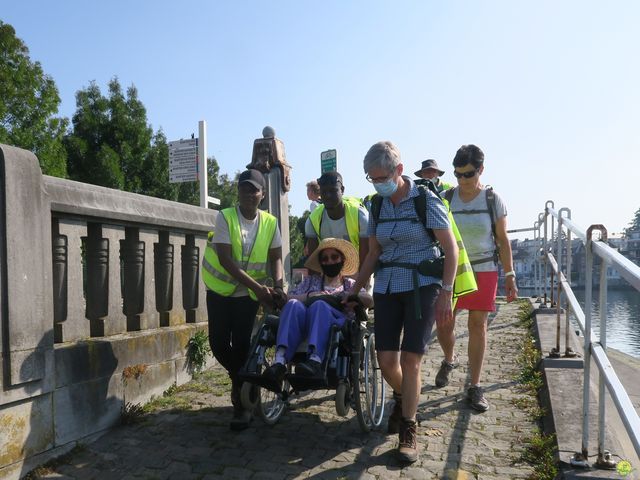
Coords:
311,441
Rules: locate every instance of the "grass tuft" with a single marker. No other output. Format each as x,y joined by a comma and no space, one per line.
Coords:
539,449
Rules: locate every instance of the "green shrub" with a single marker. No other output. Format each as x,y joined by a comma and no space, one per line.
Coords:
197,351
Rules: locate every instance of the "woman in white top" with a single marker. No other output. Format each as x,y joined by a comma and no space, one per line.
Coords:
485,241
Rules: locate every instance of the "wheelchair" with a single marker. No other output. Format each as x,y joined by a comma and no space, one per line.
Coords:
350,367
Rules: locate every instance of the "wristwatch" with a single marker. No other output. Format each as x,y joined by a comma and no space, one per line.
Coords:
447,288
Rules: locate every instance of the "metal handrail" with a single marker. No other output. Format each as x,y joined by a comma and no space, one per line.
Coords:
595,347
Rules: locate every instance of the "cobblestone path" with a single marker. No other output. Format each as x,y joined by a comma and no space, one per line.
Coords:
188,437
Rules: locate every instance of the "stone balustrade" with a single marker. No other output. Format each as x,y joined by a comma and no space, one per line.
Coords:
93,281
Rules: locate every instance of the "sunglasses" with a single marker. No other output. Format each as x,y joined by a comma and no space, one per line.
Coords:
334,257
470,174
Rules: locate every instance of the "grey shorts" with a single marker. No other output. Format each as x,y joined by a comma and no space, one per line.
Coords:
395,313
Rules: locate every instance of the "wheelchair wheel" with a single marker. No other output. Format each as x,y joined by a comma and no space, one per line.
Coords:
249,395
343,399
368,384
270,405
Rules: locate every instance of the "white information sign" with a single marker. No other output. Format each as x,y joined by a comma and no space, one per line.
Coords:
183,161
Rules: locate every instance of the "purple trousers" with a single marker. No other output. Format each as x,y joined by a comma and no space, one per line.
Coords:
313,323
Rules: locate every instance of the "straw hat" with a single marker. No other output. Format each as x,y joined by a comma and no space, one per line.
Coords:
351,260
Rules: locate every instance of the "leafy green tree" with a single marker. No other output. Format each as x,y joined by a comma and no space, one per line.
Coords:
28,101
154,175
110,143
634,225
223,186
220,186
296,238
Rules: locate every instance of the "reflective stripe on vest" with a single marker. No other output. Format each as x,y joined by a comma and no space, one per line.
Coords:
216,278
351,213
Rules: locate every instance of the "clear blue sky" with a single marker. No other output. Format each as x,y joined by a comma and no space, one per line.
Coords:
550,90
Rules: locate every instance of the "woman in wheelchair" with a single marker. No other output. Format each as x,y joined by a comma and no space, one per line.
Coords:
314,306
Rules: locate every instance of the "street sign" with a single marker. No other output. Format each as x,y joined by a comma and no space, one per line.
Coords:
183,161
328,161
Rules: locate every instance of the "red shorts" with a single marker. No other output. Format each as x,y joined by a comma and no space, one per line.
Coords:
485,298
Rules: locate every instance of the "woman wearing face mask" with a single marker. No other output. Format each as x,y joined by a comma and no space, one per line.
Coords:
314,306
406,300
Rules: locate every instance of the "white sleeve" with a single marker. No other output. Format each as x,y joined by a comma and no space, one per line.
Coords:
221,231
277,239
501,207
363,221
309,232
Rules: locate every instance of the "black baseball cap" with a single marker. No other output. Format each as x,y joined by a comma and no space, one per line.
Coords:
254,177
330,178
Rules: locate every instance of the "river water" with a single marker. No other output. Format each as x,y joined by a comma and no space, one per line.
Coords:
623,318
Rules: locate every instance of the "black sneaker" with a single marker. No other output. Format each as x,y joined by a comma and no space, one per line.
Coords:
241,419
476,398
444,373
309,368
275,374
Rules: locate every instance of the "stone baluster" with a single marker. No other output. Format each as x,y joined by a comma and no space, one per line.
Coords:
75,326
163,268
201,312
132,262
97,278
59,280
190,255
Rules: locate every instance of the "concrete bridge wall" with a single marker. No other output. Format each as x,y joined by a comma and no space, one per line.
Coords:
99,293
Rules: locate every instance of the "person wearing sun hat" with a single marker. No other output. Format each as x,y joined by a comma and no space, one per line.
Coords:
306,317
430,171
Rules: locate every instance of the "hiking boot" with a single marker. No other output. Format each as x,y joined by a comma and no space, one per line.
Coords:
275,374
309,368
407,446
241,419
475,395
393,424
444,373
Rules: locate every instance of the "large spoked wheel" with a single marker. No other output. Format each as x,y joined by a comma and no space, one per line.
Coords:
270,405
249,395
343,398
368,385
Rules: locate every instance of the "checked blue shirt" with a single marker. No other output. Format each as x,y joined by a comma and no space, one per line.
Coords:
406,241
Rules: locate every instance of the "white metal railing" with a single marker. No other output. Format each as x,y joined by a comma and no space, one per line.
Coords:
556,244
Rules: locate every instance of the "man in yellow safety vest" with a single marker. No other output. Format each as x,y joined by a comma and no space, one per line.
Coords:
234,269
337,217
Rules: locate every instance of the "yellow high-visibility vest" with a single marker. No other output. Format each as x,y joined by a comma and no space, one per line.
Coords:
216,278
351,213
465,280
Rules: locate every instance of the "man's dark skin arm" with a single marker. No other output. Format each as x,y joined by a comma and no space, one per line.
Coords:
263,293
363,249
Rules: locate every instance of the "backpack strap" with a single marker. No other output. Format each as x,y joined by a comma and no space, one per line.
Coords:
491,206
448,195
376,206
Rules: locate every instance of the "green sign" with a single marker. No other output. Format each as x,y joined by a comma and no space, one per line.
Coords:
328,161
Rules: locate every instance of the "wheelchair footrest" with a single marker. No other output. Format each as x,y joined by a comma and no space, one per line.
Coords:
300,383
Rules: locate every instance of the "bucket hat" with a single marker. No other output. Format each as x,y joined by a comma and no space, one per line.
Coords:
429,163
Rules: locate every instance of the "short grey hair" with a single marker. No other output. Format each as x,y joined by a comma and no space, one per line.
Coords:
383,154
